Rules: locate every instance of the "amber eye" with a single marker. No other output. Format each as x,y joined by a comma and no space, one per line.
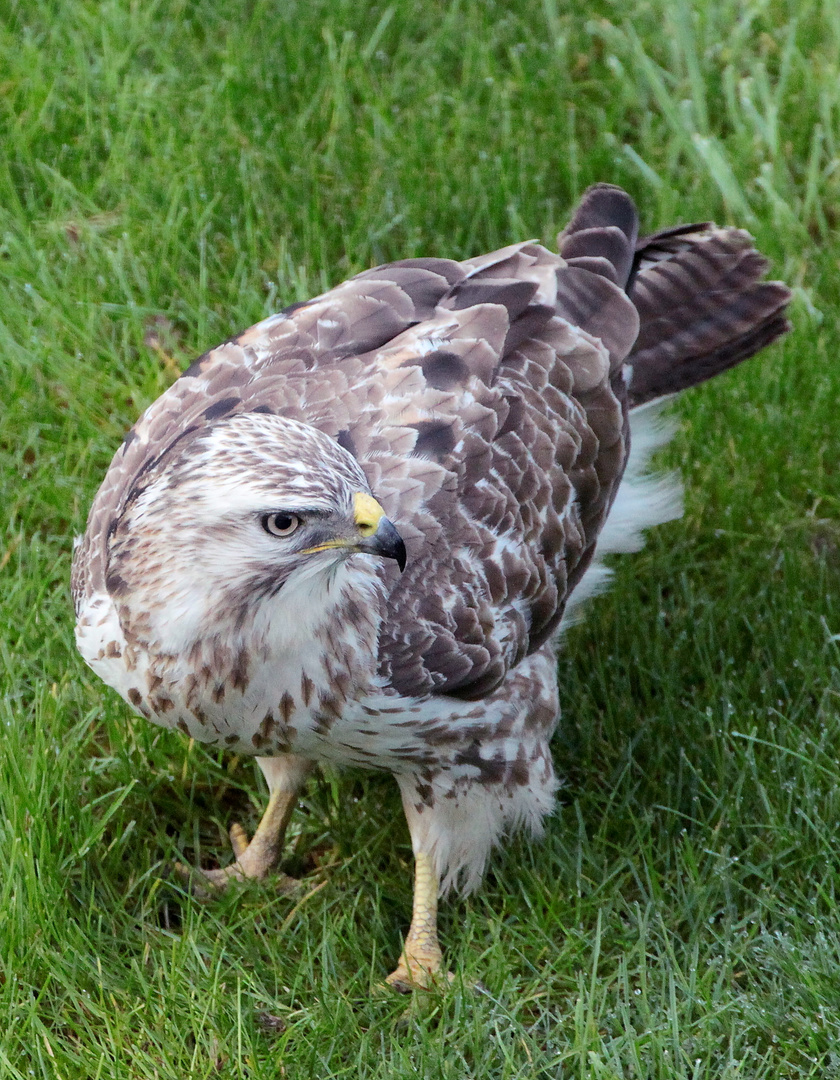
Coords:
280,524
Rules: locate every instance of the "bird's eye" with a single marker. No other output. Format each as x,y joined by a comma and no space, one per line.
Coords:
280,524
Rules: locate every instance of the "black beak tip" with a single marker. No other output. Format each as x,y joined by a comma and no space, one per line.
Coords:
387,542
400,555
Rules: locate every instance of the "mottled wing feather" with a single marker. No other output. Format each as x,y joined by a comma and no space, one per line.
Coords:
486,414
532,444
486,402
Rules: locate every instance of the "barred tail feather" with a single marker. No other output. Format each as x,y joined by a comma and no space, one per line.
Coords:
702,306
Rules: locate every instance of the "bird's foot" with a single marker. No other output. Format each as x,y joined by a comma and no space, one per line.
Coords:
420,966
420,971
254,861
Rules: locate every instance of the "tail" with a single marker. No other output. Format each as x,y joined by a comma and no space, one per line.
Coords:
702,305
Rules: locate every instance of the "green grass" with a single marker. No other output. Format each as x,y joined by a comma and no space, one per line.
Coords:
170,173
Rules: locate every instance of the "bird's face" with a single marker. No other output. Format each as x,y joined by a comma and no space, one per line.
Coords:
256,510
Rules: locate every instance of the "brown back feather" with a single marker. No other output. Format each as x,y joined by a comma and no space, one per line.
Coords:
487,404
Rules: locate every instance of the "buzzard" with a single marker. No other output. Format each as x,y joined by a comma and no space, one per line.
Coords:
354,532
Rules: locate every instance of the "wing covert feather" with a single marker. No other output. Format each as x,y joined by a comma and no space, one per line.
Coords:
486,402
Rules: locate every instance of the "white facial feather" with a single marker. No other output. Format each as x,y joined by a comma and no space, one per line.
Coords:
192,546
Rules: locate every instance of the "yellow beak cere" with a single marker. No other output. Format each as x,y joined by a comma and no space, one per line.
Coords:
367,513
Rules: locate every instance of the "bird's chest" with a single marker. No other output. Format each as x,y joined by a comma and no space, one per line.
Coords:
280,681
259,692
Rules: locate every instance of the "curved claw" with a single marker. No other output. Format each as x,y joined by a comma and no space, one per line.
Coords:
255,859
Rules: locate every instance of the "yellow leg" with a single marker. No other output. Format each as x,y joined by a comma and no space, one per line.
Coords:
256,859
421,958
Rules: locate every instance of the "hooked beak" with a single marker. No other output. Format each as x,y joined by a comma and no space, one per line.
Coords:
386,541
380,535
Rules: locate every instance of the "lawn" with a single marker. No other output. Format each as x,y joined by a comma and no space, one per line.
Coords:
172,172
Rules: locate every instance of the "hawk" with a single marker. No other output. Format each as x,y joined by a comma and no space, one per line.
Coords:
354,532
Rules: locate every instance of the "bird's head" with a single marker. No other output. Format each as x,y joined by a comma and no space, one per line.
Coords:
255,517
